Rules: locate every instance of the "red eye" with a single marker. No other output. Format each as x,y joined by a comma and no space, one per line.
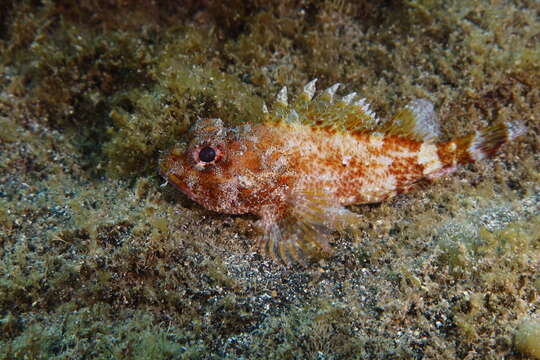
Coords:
207,154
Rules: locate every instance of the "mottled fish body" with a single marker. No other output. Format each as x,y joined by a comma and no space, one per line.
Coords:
308,159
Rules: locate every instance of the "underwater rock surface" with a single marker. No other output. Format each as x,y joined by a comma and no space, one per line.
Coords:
98,261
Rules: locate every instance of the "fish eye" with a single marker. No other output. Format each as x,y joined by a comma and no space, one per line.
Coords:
207,154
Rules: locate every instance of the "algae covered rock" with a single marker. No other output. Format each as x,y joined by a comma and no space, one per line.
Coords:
528,337
97,261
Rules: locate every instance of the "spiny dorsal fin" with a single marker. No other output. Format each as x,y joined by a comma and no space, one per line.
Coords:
417,120
325,110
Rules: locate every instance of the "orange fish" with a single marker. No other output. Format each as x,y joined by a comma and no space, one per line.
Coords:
308,159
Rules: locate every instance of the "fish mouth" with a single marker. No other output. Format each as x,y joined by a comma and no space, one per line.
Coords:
171,178
177,183
181,186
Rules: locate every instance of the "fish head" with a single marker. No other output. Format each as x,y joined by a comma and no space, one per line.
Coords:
223,169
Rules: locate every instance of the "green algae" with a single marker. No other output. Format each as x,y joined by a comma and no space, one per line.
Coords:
527,336
497,267
98,261
73,332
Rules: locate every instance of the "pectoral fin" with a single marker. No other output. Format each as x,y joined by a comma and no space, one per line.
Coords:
305,232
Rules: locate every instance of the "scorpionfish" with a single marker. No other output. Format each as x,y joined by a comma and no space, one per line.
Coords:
309,158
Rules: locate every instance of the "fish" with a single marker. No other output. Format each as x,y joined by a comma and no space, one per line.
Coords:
309,158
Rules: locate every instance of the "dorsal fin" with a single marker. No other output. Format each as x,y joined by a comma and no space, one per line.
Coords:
324,110
417,120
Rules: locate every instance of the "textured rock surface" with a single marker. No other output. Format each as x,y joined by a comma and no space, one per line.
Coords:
98,261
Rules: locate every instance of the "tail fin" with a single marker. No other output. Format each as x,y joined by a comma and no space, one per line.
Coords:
487,141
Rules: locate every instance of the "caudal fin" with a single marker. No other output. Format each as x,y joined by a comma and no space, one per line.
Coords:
485,142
